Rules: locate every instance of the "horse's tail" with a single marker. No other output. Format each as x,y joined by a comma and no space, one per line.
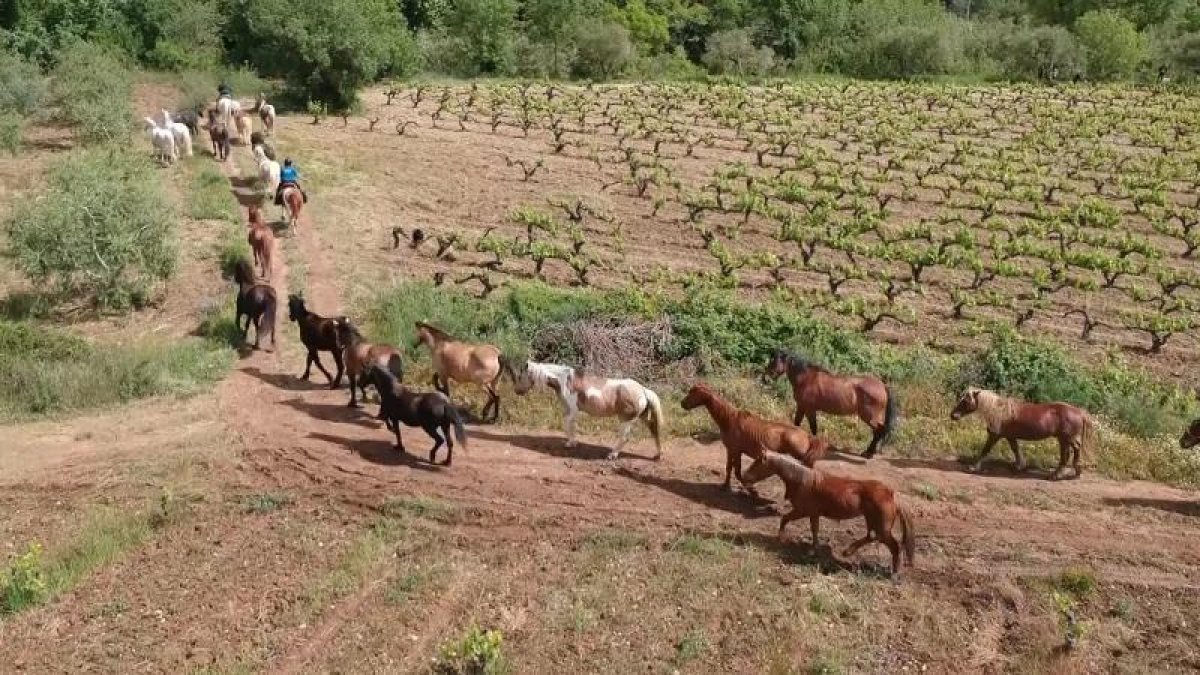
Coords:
460,432
1088,437
890,415
654,418
395,366
269,315
908,535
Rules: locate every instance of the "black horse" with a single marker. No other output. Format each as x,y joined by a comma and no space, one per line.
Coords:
256,302
319,334
430,411
189,119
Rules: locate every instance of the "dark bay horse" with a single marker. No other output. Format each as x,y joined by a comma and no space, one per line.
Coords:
744,433
1015,420
319,334
359,355
817,390
218,134
431,411
816,494
1191,437
256,302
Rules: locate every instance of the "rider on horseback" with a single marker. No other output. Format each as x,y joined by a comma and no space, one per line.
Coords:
289,176
224,91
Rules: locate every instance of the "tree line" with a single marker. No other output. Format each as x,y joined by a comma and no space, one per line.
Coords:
326,49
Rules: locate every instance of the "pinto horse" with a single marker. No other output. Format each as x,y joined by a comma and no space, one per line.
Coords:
261,240
431,411
318,334
744,433
359,355
1015,420
816,494
817,390
1191,437
626,399
455,361
256,302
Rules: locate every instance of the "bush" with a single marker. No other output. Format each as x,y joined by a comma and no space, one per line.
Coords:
602,49
1112,43
477,653
485,31
22,87
1036,53
23,584
181,34
11,126
909,52
732,52
102,231
673,66
93,89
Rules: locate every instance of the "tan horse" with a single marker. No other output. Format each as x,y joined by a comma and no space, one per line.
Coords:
628,400
1191,437
1015,420
262,242
455,361
359,355
293,203
815,494
817,390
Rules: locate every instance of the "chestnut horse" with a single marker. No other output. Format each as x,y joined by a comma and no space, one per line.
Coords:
256,302
359,355
1191,437
261,240
318,334
1015,420
626,399
455,361
816,494
293,203
745,433
817,390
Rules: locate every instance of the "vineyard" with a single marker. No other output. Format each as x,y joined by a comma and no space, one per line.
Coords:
915,212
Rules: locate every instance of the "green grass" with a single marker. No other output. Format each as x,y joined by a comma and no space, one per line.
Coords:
265,503
362,559
209,196
702,547
691,647
421,507
1079,583
614,541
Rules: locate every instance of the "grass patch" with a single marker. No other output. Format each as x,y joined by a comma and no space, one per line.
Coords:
421,507
691,647
702,546
402,589
926,492
1078,583
265,503
826,663
611,541
359,561
209,196
478,652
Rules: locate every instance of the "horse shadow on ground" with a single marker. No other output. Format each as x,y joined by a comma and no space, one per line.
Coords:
1184,507
382,452
336,413
554,446
285,381
800,551
992,468
710,495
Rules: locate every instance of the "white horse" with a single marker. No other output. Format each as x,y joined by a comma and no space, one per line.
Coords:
266,112
183,135
268,171
227,109
626,399
163,141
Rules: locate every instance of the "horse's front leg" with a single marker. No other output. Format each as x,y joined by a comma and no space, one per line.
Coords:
1018,458
625,430
341,368
308,361
814,523
992,439
786,518
812,421
494,398
1064,454
798,418
316,358
432,430
569,423
354,392
730,459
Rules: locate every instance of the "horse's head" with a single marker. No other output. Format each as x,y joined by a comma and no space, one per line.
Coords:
522,379
296,308
697,396
967,404
777,365
760,470
1191,437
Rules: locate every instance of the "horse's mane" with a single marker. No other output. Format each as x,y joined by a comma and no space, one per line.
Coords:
797,363
791,470
437,332
994,408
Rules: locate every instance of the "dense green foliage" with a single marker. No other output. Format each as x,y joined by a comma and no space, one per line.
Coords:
93,89
102,232
327,49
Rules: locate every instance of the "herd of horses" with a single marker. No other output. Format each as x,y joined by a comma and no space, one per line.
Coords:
780,449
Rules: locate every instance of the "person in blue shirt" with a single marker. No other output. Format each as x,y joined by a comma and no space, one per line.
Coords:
288,175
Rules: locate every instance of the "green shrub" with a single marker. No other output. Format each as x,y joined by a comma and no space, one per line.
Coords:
1113,45
93,88
733,52
23,584
11,127
486,32
478,652
22,86
183,34
1034,52
602,49
102,231
910,52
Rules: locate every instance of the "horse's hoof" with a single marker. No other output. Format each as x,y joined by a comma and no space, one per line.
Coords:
613,455
570,444
1020,468
446,463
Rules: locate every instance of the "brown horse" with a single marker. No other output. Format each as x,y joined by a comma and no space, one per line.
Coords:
261,240
816,494
359,355
455,361
1191,437
817,390
318,334
1015,420
745,433
293,203
218,134
255,301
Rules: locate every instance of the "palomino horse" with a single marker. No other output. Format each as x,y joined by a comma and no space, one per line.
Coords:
293,203
318,334
1191,437
261,240
817,390
244,125
218,134
359,355
455,361
431,411
626,399
266,113
1015,420
816,494
256,302
744,433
